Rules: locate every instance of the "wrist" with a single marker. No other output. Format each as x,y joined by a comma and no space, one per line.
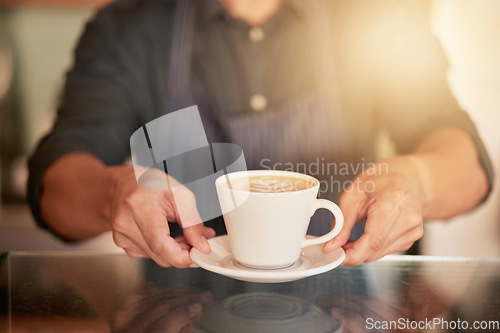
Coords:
415,170
72,191
116,180
94,183
422,175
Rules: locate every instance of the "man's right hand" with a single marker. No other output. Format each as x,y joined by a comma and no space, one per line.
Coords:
82,198
139,218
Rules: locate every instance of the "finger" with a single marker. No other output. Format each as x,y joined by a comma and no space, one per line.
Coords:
128,246
135,254
340,239
401,244
131,248
162,248
126,232
161,259
353,206
208,232
172,252
183,243
353,254
186,208
367,246
195,236
127,235
381,219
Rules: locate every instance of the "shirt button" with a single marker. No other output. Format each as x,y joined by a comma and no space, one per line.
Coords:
256,34
258,102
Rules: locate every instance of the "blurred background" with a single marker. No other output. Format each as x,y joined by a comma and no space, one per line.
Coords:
37,38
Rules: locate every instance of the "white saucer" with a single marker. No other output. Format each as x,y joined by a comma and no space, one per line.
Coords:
312,261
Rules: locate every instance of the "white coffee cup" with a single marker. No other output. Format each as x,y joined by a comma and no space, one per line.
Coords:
268,230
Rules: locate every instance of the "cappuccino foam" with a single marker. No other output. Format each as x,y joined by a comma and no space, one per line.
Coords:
271,184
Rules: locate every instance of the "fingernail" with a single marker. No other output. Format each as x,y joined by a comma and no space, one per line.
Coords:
195,309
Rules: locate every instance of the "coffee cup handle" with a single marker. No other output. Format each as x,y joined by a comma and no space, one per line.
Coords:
339,222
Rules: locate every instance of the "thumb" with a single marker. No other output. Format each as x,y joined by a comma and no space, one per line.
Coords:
189,219
352,204
187,214
196,235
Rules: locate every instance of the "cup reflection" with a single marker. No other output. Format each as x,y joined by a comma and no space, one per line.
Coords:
264,312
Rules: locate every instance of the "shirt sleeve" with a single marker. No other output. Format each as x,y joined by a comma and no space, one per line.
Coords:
107,95
412,93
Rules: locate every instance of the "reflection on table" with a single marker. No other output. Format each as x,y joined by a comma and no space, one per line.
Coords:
115,293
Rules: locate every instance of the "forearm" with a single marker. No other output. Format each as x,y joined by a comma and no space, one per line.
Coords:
74,197
452,179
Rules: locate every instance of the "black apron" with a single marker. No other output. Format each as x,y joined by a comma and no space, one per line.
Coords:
305,134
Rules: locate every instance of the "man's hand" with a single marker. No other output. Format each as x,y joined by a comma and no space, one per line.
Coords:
82,198
441,179
139,218
389,198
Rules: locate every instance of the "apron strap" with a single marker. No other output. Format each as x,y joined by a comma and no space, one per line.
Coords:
321,35
179,94
327,80
180,54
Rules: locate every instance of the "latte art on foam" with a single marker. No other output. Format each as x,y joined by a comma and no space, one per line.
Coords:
271,184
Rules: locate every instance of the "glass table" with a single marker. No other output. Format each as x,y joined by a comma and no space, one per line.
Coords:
77,292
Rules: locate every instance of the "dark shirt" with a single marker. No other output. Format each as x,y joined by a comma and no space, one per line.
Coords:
390,72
